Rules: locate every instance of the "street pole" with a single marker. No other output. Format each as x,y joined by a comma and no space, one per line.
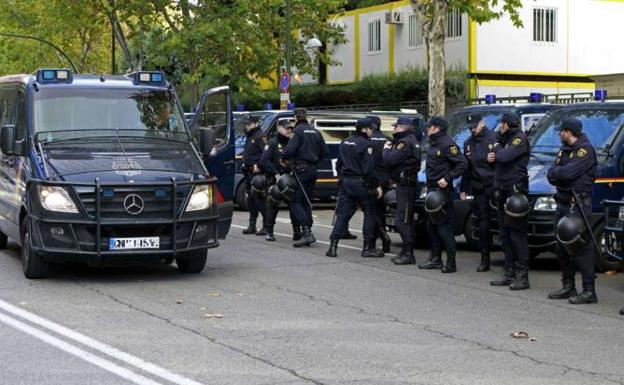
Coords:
113,64
288,34
60,51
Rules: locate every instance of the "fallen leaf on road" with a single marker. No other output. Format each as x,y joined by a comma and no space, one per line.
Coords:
240,294
532,339
214,294
611,272
179,301
520,334
216,315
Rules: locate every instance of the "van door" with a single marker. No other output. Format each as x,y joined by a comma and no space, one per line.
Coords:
214,111
11,167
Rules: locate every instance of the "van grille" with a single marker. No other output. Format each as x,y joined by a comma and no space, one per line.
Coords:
157,202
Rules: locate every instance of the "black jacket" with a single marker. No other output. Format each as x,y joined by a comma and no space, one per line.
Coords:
270,160
307,146
254,146
444,160
512,159
404,156
378,140
575,168
479,176
356,157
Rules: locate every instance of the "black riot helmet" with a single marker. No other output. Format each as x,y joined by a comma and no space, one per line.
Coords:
494,199
287,186
274,196
434,206
517,207
259,185
569,233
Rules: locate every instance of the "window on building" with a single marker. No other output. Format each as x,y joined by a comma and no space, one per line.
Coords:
415,32
454,24
545,25
374,35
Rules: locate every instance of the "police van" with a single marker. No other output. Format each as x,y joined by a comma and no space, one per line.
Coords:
531,111
104,170
603,123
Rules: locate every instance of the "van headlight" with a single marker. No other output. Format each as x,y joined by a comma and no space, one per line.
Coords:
545,204
201,199
621,214
55,198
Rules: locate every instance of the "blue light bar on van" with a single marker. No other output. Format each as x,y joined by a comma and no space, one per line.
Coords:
148,77
490,99
54,75
536,97
600,95
268,106
240,107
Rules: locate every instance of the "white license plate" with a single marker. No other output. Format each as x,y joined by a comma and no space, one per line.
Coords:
134,243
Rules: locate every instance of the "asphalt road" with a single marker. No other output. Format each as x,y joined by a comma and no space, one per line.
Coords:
265,313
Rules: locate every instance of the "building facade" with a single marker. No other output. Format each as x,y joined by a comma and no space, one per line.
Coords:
561,44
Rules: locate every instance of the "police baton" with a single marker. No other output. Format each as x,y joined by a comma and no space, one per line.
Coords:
589,228
302,189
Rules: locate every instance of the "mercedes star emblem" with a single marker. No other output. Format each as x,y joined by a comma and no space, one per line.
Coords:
134,204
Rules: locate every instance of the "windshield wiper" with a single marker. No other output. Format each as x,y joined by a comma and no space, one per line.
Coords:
157,134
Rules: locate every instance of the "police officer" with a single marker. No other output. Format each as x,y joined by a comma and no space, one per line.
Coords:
358,186
444,163
305,149
378,141
478,181
402,157
272,167
511,154
573,173
254,146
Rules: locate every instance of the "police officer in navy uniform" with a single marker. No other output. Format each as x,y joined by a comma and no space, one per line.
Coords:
272,167
445,162
305,149
378,140
574,171
511,154
402,158
358,186
254,146
478,181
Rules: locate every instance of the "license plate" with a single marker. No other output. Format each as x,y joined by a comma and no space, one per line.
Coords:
133,243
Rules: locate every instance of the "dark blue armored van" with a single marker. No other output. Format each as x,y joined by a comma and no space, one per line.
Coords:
603,124
104,170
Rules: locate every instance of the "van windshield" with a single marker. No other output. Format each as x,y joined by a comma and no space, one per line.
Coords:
601,125
67,110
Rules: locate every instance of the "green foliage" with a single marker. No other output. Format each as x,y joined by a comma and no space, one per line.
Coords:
383,90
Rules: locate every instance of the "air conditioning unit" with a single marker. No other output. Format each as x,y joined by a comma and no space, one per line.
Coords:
394,17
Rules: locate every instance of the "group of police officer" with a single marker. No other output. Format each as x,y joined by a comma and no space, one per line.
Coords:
493,171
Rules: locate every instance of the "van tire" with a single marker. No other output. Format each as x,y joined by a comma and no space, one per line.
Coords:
3,240
605,263
241,196
193,264
33,265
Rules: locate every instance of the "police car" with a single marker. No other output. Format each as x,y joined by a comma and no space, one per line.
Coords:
603,123
530,113
104,170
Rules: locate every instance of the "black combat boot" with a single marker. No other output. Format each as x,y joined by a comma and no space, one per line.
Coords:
307,238
262,232
406,258
269,234
485,262
369,250
434,262
333,248
251,229
296,232
506,280
347,235
622,311
568,290
386,242
587,296
522,278
451,266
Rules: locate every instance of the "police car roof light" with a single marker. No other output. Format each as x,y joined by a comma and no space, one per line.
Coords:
536,97
600,95
240,107
54,75
147,77
268,106
490,99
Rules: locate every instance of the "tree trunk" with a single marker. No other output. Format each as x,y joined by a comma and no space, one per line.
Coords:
437,66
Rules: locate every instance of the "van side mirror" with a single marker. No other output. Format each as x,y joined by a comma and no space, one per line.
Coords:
7,140
206,141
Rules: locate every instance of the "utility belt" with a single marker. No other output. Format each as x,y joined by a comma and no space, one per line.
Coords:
407,179
303,166
569,199
514,188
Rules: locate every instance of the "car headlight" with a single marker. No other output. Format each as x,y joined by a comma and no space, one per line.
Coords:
201,199
545,204
621,214
423,192
54,198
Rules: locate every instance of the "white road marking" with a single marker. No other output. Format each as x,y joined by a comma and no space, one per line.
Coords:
97,345
287,221
80,353
317,241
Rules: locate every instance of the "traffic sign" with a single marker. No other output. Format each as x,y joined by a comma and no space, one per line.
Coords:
284,82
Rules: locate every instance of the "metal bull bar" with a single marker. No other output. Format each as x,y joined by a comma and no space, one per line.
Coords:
614,228
93,218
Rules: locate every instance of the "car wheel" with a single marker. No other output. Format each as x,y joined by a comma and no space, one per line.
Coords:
241,196
193,264
33,265
604,262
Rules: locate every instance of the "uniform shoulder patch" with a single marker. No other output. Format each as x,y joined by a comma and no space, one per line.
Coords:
265,139
581,152
266,147
516,141
400,146
370,151
454,150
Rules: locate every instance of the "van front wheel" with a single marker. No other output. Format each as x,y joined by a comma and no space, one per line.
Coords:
33,265
193,264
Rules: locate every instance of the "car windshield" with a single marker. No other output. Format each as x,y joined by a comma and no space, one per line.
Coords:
459,130
61,111
599,124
